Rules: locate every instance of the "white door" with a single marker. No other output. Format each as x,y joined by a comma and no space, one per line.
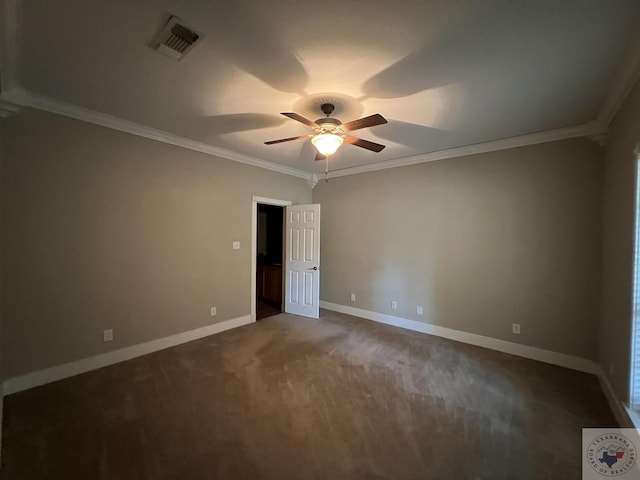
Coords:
302,262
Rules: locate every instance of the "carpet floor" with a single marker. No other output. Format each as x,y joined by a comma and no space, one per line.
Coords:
294,398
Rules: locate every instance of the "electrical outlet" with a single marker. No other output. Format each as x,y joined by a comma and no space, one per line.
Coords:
214,311
394,305
515,328
236,245
419,309
107,335
353,297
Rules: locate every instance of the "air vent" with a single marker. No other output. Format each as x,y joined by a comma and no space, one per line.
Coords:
175,40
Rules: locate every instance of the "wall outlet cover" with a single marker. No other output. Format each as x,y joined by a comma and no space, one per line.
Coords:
107,335
353,297
515,328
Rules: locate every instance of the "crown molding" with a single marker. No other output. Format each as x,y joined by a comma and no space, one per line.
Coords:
599,139
10,13
19,96
587,129
624,78
312,181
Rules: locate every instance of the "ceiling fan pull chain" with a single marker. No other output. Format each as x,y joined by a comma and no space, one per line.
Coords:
326,169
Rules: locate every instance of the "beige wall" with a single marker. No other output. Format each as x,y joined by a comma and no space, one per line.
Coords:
104,229
479,241
617,265
107,230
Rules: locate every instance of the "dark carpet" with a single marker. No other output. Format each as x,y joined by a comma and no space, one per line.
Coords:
295,398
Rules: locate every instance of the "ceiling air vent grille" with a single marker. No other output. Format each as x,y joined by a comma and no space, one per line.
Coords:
175,40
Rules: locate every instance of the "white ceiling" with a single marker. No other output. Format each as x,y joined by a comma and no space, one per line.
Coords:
444,74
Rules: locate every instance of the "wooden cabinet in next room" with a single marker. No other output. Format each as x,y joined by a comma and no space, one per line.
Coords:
270,282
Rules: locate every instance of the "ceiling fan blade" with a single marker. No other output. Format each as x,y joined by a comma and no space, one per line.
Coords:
359,142
370,121
320,156
282,140
299,118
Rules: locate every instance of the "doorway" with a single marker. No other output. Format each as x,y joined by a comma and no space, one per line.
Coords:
256,201
269,254
300,250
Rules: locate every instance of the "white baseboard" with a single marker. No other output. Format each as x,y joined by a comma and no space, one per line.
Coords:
40,377
623,416
619,409
547,356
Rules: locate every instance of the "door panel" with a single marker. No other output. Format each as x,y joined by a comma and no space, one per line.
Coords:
302,261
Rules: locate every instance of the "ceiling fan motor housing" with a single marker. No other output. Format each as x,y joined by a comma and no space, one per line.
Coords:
328,125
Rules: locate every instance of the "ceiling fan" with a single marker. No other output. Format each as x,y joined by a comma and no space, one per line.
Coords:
330,133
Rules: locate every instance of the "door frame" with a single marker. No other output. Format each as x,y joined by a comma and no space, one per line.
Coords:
255,200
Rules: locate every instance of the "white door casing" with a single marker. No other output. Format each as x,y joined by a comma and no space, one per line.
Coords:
302,260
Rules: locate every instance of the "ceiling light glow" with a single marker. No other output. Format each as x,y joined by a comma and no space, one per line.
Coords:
327,143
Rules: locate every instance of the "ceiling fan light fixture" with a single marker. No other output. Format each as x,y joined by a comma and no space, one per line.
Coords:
327,143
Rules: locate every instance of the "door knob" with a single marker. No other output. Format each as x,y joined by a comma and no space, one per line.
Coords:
314,268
